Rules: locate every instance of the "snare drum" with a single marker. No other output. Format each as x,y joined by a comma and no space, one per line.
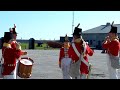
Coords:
25,67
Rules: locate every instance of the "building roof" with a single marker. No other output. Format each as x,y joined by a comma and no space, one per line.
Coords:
102,29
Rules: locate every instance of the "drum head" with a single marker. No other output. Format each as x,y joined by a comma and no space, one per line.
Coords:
26,62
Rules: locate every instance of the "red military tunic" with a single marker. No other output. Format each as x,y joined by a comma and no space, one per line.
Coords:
63,54
113,47
10,56
73,55
13,45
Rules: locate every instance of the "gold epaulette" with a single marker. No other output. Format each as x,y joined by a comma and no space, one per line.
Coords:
6,45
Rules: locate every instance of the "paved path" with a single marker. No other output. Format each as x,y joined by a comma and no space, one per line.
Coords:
46,64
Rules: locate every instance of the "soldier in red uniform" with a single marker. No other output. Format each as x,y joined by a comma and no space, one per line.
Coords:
78,51
10,55
112,45
13,45
64,60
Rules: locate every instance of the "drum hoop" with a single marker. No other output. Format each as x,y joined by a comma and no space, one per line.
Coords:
25,64
28,59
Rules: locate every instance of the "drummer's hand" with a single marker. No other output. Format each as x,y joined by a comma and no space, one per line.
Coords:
25,53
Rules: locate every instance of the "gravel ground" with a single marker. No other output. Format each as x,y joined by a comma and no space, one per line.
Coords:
46,65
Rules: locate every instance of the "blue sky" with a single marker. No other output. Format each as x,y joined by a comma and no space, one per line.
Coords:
50,25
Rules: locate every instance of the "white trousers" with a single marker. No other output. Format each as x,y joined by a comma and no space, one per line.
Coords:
17,65
113,73
13,74
65,66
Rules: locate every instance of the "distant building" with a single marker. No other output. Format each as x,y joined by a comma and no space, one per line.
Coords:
63,38
96,36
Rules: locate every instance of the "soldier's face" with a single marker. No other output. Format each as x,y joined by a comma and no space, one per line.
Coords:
76,36
66,44
111,35
10,41
14,36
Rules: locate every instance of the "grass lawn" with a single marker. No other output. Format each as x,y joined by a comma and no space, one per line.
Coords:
42,47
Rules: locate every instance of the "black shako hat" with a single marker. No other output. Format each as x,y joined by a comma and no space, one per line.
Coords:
8,35
113,28
77,31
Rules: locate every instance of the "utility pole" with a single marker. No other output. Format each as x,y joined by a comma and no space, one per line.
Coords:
73,22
